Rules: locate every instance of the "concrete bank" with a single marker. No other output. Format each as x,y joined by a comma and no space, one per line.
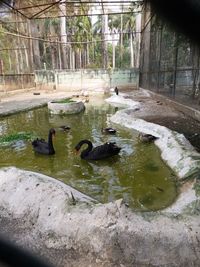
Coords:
39,213
14,103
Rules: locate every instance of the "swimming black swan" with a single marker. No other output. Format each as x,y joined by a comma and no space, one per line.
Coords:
147,138
100,152
108,130
42,147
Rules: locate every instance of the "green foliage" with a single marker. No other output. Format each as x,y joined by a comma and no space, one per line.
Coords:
96,54
125,61
63,101
197,188
9,139
51,24
86,40
81,29
5,42
110,49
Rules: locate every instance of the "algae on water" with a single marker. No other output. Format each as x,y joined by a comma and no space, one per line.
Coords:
14,137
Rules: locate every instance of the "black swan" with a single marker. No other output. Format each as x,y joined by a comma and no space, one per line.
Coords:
147,138
108,130
42,147
116,90
100,152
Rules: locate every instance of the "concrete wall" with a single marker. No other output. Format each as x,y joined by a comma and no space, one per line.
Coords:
10,82
86,79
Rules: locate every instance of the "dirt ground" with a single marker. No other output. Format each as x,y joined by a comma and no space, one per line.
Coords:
189,127
152,109
162,113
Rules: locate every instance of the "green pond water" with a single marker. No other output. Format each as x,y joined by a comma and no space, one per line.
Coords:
137,174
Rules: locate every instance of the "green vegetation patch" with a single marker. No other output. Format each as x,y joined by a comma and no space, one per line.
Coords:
63,101
194,173
197,188
9,139
193,208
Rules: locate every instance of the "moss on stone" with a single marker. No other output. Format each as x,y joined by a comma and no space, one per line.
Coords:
63,101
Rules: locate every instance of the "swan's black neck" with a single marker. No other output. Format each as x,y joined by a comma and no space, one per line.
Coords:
85,152
50,142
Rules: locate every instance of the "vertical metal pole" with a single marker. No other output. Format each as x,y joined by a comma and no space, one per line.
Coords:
3,75
175,65
159,57
59,55
56,79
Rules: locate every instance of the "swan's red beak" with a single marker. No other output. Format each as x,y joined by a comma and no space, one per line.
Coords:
76,151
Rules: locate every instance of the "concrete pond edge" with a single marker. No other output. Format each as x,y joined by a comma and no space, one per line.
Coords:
55,107
53,216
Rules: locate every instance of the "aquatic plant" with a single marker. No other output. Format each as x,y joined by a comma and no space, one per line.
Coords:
14,137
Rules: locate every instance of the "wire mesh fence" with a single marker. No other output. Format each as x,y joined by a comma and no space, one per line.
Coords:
169,63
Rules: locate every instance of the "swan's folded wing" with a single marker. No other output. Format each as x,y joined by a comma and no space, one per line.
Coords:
106,150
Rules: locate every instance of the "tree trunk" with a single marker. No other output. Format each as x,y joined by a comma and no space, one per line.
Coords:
17,61
113,51
80,59
121,40
131,48
10,63
104,42
53,57
137,40
26,58
21,60
73,60
87,54
63,36
30,47
59,56
35,46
